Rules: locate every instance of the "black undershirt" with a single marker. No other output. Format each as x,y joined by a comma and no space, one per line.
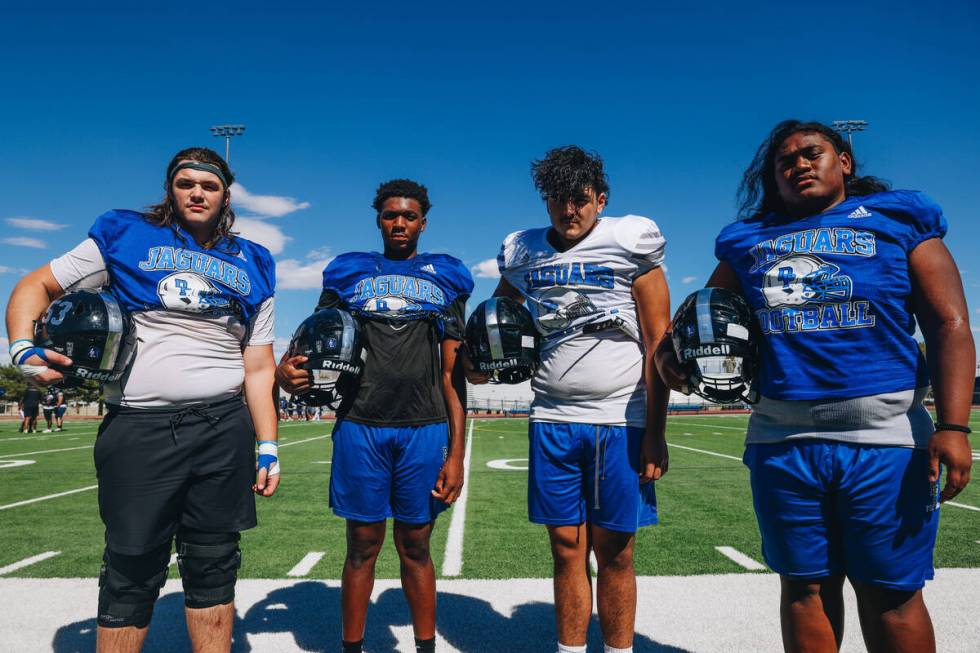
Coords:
402,380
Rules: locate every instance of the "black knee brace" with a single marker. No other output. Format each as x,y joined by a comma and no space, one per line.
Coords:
129,586
209,565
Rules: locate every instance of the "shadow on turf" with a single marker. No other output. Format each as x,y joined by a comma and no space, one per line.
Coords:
310,611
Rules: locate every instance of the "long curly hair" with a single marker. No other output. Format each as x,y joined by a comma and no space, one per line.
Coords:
758,195
165,214
566,172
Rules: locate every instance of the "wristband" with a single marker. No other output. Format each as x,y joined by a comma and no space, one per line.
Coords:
268,456
943,426
20,351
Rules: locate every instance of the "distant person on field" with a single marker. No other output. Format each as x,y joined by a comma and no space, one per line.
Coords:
29,405
60,408
845,462
48,404
597,290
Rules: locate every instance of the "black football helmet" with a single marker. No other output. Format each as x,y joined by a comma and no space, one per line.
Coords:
331,340
716,344
90,328
502,341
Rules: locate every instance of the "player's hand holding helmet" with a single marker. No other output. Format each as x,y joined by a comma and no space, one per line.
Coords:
82,336
715,343
502,341
330,341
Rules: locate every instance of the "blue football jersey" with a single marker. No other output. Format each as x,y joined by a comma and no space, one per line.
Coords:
417,288
832,292
159,268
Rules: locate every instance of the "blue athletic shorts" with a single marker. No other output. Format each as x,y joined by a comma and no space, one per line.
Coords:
828,508
588,473
379,472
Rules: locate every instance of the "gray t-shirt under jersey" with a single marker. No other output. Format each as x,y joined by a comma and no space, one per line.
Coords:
891,418
180,358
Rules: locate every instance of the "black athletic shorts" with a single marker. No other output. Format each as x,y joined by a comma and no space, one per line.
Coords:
160,468
30,411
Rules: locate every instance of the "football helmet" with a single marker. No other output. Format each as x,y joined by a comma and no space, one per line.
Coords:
331,340
90,328
502,342
802,279
715,342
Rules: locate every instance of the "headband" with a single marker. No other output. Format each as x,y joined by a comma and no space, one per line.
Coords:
203,167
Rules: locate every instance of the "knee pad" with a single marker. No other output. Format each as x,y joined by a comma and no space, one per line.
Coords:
209,565
129,586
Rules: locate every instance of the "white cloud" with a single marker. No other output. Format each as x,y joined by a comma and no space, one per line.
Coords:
280,346
6,269
263,233
319,254
5,353
486,269
23,241
35,224
689,279
293,274
273,206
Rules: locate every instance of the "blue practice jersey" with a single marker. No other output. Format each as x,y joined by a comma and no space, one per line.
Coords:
422,287
159,268
832,295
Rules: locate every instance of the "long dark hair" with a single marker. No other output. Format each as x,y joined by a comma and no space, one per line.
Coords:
165,213
758,195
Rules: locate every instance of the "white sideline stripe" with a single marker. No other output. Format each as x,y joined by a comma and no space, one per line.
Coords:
711,426
740,558
956,504
50,496
34,453
452,563
304,566
27,562
671,445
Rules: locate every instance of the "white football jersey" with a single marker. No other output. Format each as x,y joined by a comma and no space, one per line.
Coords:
582,303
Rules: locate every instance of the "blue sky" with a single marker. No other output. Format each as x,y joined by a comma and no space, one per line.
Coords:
338,97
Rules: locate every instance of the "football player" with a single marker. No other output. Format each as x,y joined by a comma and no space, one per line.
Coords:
597,291
175,455
60,409
398,440
845,467
48,404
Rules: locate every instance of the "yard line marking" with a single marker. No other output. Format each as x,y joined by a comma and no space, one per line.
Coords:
27,562
173,560
50,496
34,453
712,426
319,437
740,558
961,505
452,563
593,563
671,445
304,566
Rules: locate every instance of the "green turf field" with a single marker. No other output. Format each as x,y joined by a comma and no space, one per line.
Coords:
704,503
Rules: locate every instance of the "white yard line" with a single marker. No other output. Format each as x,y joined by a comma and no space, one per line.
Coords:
671,445
173,560
956,504
593,563
27,562
319,437
304,566
35,453
452,563
740,558
713,426
50,496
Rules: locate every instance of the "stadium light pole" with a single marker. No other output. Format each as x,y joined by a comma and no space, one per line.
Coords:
226,132
849,127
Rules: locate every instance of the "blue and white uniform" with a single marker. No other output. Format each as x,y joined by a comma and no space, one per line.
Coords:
840,426
589,409
392,436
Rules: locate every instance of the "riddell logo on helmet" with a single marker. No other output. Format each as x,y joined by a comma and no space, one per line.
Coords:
94,375
340,366
706,350
498,365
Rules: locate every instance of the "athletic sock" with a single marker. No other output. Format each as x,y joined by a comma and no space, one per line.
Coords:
565,648
425,645
352,647
613,649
